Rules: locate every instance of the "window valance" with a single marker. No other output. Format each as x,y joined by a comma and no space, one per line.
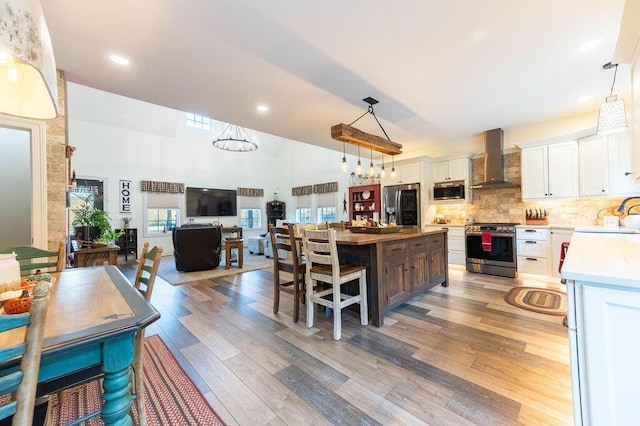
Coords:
302,190
322,188
153,186
250,192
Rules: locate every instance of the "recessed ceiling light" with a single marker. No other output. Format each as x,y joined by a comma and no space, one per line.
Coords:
262,108
120,60
589,45
585,98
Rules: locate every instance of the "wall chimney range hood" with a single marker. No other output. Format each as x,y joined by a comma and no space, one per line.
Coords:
493,162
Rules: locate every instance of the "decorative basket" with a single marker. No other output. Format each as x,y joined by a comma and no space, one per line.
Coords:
96,244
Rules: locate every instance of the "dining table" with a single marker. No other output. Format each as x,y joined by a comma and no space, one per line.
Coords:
93,317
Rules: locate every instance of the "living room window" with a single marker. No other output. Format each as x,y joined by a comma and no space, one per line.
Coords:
162,212
198,121
251,218
162,220
303,215
326,214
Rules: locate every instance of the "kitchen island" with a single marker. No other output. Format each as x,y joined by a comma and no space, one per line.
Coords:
399,265
603,292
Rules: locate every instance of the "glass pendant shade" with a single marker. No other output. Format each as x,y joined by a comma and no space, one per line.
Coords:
344,164
28,80
612,117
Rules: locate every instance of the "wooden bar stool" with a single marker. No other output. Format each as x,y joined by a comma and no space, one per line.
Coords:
230,244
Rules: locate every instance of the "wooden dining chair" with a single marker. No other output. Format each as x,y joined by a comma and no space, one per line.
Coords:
283,239
339,226
33,258
23,382
148,264
323,266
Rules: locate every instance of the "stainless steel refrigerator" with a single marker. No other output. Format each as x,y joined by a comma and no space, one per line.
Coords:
401,204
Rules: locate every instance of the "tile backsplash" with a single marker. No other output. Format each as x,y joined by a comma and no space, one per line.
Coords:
506,205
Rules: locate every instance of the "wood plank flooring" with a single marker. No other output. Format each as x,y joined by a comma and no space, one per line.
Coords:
456,355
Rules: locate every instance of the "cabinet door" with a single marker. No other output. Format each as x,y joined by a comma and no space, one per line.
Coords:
534,172
440,171
411,173
563,169
396,287
608,341
419,264
621,179
593,166
436,266
458,169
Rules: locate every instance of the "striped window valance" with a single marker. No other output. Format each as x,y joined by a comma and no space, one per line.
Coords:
153,186
302,190
250,192
322,188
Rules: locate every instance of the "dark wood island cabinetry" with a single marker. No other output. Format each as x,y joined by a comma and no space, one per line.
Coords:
399,265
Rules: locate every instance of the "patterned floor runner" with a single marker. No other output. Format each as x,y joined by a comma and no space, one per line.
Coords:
171,397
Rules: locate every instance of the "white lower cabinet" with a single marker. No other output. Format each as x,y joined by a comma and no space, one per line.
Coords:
455,242
605,353
532,248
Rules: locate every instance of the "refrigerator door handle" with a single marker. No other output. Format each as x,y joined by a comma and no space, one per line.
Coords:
398,208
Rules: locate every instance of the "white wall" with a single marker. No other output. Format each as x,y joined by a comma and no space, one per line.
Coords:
139,152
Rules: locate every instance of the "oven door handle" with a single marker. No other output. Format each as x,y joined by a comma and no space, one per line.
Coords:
493,234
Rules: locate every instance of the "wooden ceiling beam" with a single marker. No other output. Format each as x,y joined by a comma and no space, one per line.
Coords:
345,133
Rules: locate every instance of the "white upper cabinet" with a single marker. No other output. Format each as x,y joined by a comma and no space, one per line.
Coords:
621,172
405,173
594,167
605,165
550,171
457,169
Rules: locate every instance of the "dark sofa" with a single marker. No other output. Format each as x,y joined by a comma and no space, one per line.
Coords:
197,247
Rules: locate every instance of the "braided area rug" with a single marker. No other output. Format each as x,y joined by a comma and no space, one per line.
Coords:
541,300
171,397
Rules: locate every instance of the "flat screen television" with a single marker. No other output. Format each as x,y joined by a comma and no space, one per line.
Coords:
211,202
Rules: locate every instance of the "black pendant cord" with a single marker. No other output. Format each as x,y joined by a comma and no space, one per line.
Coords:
370,111
614,80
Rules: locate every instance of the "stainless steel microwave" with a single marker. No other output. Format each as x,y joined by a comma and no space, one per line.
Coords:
453,190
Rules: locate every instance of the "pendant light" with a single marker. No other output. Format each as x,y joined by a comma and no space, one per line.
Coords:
28,80
371,169
345,167
359,165
234,138
393,168
613,116
383,173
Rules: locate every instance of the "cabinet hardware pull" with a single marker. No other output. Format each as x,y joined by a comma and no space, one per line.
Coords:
531,242
397,249
532,258
419,245
530,230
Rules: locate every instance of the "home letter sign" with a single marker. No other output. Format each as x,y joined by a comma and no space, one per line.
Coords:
125,196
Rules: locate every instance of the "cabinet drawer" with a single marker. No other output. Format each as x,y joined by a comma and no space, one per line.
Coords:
435,241
532,233
456,231
394,249
456,257
418,245
456,243
532,265
532,248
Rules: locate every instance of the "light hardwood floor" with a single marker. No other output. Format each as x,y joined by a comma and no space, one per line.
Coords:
452,356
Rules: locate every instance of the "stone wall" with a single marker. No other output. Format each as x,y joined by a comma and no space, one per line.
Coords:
56,170
506,205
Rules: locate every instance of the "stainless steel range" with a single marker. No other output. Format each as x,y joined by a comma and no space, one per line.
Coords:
491,248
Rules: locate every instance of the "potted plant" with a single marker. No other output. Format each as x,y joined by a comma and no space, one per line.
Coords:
110,237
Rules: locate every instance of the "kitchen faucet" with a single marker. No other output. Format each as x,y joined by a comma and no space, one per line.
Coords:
624,202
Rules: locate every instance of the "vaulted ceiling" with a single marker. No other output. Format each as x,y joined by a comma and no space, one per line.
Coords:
443,71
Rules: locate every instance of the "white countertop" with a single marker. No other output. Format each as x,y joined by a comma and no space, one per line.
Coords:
604,258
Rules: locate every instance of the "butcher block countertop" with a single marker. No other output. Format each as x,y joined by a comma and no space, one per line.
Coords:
357,239
603,258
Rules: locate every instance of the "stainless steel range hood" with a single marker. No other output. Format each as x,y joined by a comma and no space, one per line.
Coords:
493,162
